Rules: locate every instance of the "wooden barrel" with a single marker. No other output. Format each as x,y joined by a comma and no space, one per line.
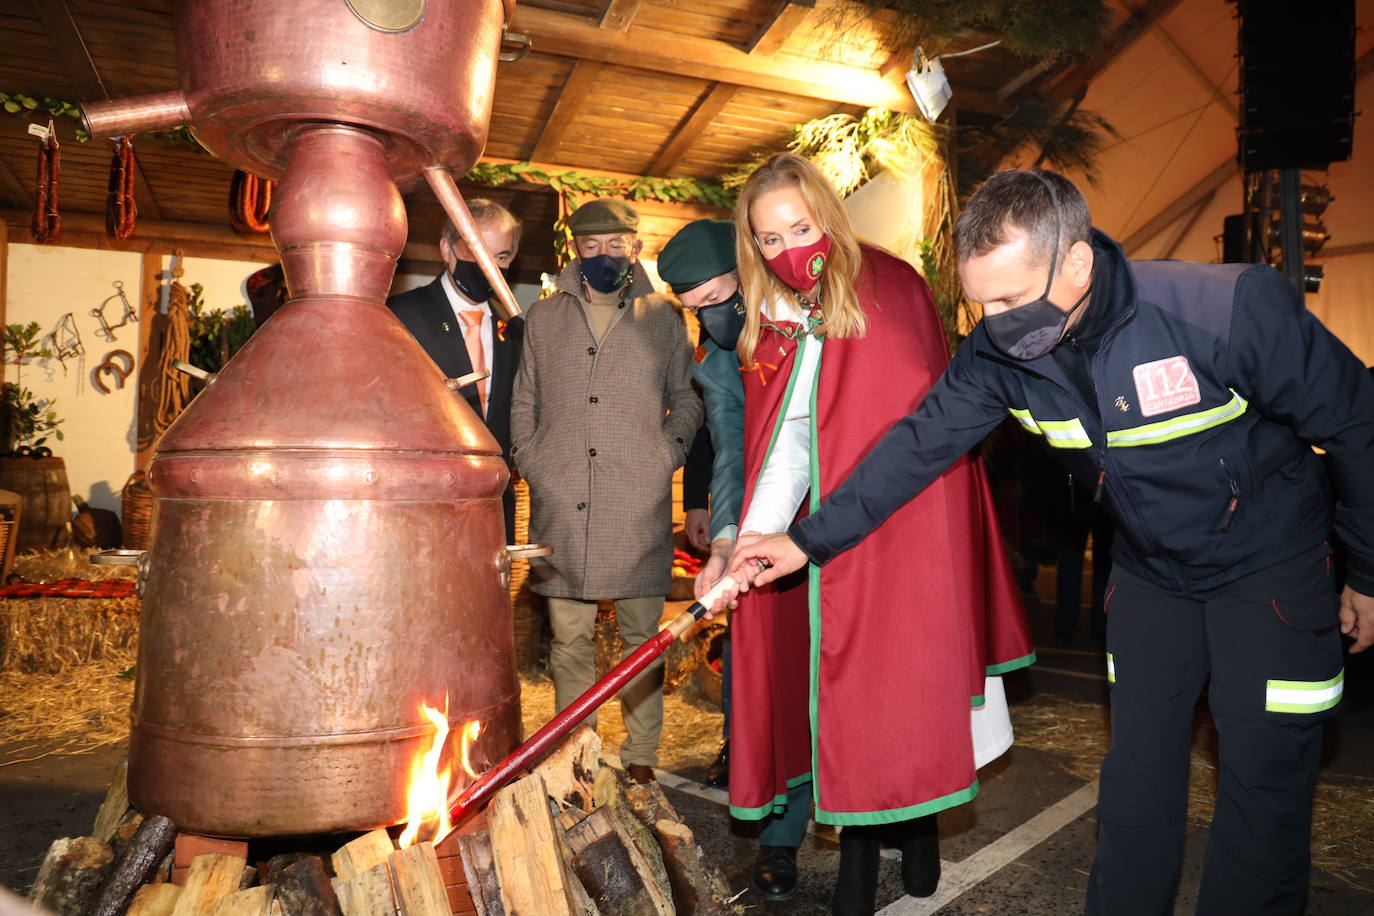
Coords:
42,482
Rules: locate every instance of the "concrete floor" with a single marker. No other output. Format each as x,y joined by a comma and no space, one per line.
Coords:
1023,847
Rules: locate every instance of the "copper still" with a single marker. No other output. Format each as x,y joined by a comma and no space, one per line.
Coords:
328,548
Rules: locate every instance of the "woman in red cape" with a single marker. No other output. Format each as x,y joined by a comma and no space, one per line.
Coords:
853,687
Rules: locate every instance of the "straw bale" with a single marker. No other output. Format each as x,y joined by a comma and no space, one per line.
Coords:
85,707
53,635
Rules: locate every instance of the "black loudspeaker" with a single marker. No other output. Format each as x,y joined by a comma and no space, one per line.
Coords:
1233,247
1297,83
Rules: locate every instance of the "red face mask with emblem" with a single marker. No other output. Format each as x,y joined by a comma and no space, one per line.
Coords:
801,267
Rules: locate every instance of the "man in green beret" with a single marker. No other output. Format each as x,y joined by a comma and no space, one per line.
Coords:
602,414
699,265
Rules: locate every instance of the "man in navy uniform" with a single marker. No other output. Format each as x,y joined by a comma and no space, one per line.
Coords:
1186,398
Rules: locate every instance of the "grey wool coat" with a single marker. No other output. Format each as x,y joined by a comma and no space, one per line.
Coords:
597,431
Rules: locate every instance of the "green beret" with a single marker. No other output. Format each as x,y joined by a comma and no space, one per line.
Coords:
603,215
701,250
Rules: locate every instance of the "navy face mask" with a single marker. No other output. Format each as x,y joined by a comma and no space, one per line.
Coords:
605,273
723,321
1030,331
472,282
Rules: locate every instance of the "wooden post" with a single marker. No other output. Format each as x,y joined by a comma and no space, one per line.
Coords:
149,293
4,279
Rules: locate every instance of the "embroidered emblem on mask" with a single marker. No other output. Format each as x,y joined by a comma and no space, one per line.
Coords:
1165,385
815,266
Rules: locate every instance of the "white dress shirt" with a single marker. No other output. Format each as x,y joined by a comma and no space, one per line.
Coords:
460,303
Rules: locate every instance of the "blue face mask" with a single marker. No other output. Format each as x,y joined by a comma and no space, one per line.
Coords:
723,321
605,273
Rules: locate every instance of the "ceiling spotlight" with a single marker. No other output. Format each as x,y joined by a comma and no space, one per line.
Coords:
928,84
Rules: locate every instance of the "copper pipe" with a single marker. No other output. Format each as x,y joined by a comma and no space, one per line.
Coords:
140,114
451,199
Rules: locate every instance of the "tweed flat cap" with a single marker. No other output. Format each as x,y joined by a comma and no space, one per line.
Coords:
603,215
701,250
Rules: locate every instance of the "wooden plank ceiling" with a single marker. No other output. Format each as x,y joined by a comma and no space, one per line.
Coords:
643,87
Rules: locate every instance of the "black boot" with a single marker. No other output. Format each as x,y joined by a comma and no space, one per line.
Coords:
919,841
718,773
775,873
856,887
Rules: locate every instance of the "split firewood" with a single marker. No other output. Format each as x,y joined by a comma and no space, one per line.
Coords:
606,787
115,806
154,900
253,901
531,872
304,889
568,818
212,876
698,890
645,847
418,882
582,900
150,844
480,869
363,854
277,864
71,874
367,894
569,773
614,872
649,803
125,834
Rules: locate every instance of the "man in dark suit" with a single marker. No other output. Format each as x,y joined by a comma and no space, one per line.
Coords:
452,319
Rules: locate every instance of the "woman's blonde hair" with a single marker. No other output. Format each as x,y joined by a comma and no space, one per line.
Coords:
838,293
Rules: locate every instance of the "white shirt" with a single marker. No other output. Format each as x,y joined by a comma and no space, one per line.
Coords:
460,303
786,476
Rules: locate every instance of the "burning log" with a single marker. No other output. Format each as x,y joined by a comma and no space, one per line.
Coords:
71,875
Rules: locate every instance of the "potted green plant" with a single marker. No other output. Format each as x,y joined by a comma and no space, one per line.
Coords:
27,465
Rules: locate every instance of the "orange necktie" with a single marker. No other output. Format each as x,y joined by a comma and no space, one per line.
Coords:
472,336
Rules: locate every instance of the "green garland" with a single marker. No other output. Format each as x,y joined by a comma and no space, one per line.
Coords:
569,184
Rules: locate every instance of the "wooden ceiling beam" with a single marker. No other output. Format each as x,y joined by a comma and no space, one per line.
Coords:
579,85
1140,21
11,189
664,52
786,18
618,14
76,58
692,127
1183,205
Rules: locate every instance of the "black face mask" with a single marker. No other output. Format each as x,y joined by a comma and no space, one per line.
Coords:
472,282
723,321
1032,330
605,273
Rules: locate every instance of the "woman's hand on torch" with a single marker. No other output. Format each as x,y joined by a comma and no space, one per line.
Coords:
715,567
762,558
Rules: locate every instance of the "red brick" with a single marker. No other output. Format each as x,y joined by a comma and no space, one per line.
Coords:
451,867
179,875
459,901
190,845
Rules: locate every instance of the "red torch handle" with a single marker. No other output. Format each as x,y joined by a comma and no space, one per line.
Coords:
542,741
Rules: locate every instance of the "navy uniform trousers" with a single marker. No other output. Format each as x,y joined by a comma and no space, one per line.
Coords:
1270,644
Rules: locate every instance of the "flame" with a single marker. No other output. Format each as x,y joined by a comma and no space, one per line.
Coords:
428,792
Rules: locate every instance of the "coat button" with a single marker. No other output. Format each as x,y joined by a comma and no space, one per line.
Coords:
622,305
581,506
591,351
592,452
592,399
679,440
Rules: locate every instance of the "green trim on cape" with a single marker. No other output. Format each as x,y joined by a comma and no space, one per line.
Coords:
978,701
813,581
893,815
1004,667
768,809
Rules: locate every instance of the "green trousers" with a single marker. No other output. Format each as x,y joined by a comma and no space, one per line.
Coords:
572,660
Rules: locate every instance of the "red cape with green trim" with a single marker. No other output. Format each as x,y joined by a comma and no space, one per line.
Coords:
878,654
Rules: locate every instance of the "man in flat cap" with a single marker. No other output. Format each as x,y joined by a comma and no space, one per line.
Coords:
602,415
699,265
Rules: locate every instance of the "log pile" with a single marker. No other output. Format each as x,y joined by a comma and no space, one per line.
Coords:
574,837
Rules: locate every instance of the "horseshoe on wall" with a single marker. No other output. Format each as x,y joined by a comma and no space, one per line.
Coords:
118,363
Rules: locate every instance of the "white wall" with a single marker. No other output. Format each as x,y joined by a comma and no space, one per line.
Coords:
44,284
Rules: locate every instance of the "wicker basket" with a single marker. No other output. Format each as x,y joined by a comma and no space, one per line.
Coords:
137,511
